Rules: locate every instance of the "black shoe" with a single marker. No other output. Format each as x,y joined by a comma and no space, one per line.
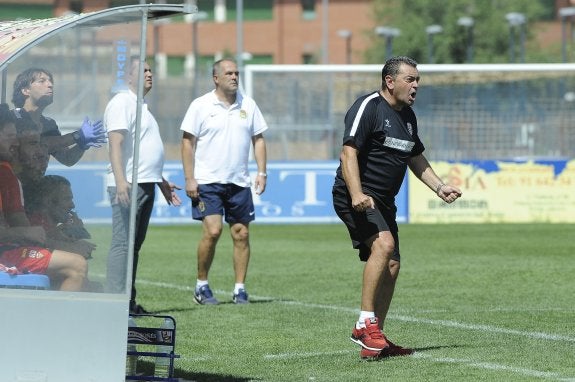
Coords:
137,309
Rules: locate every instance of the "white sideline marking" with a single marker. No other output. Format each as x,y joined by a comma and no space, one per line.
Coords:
497,367
307,355
398,317
511,310
466,362
484,328
446,323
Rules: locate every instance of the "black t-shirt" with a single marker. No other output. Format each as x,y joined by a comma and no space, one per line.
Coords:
49,126
386,139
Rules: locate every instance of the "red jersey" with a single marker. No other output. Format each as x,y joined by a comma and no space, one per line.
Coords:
26,259
11,196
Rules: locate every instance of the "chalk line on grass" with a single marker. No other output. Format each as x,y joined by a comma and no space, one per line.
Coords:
391,316
307,354
460,361
448,323
445,323
497,367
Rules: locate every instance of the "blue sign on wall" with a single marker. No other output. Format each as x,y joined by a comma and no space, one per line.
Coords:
297,192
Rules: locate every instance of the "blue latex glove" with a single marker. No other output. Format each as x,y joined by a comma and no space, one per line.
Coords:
91,134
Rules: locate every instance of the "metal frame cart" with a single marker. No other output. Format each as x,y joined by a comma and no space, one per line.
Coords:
151,339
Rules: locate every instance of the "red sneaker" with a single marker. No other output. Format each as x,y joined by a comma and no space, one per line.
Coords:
395,350
370,337
369,355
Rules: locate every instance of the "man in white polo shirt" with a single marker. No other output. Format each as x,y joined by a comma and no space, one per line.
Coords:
120,123
218,130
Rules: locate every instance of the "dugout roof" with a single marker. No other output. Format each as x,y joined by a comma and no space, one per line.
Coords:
19,36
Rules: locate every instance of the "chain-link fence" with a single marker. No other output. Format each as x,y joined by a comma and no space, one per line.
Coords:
464,111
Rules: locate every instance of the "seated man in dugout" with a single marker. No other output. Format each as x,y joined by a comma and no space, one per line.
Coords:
54,210
23,246
49,198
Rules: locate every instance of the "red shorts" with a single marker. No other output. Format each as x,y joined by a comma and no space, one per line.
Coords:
26,259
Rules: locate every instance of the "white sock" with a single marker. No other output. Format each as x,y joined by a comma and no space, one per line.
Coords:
363,315
200,283
239,286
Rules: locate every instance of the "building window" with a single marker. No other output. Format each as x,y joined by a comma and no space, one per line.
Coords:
253,10
76,6
260,59
309,58
22,11
176,66
308,9
120,3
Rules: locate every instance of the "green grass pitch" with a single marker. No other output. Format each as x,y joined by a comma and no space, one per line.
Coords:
479,303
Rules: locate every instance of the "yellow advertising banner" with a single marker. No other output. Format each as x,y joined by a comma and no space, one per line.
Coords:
498,192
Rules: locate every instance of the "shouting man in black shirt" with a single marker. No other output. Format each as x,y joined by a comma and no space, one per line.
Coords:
380,141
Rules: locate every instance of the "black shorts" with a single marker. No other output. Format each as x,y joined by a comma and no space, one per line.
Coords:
363,225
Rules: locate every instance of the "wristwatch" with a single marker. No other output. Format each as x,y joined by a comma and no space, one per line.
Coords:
77,136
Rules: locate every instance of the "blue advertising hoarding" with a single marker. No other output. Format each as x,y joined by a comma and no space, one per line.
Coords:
297,192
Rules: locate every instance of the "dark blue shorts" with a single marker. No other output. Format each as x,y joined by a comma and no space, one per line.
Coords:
229,200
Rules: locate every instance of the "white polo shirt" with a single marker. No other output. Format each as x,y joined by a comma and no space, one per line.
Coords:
224,137
120,114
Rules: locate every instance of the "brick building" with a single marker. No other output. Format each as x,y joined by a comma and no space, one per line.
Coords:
274,31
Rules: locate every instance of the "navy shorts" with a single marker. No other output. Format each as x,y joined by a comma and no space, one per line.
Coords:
229,200
363,225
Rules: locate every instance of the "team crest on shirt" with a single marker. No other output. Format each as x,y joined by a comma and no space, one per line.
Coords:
31,253
387,124
243,114
409,128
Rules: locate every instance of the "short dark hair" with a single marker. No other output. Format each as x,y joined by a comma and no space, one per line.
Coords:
47,188
23,80
216,65
391,67
49,182
6,115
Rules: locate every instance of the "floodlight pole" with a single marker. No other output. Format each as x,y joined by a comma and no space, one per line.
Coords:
389,33
467,23
432,30
565,13
240,36
325,32
516,19
346,34
196,18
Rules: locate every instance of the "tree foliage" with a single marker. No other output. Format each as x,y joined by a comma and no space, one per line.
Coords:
491,32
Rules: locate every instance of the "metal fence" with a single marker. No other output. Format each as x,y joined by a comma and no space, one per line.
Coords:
474,112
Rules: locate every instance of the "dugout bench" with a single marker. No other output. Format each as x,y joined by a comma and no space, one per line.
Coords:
27,281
